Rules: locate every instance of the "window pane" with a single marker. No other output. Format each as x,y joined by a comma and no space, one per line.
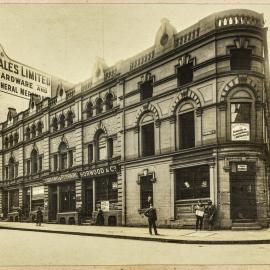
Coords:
90,153
148,140
185,74
187,130
240,112
146,90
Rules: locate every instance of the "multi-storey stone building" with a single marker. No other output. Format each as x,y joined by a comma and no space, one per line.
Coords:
187,119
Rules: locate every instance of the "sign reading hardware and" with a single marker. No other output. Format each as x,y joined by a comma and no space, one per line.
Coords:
240,132
100,171
21,80
62,178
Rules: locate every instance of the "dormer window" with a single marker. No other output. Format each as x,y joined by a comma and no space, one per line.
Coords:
240,59
146,89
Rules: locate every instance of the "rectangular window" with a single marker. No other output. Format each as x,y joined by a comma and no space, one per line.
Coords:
240,59
110,147
146,89
63,161
28,167
192,183
16,170
70,155
13,200
40,163
6,172
148,140
146,186
106,189
185,74
240,121
55,162
90,153
67,197
186,130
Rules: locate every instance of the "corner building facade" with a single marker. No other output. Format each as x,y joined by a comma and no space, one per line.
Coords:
185,120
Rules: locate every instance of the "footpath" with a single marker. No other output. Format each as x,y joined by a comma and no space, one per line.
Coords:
181,236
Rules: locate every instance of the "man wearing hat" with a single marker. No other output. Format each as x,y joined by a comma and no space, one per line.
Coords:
152,217
211,212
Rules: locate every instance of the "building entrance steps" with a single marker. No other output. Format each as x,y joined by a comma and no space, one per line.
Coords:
183,236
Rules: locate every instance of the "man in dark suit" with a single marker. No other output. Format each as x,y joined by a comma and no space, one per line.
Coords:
152,217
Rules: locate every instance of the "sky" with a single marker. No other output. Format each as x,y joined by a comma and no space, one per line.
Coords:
65,39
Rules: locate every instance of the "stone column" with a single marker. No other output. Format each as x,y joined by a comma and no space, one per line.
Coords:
172,126
78,191
213,184
94,194
46,198
198,127
1,201
21,196
58,199
8,203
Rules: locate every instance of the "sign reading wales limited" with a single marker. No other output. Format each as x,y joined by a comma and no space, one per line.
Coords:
20,80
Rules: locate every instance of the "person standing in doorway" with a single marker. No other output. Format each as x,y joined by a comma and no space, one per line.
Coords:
39,217
199,212
211,213
152,218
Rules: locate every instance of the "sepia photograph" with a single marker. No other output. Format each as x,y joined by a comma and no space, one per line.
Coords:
134,135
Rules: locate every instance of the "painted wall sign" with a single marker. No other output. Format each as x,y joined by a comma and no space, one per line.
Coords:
100,171
240,132
20,80
62,178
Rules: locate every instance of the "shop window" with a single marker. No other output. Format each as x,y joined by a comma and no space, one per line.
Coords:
148,139
33,131
69,118
6,142
40,163
67,197
99,106
62,121
55,162
70,155
186,130
146,89
6,172
240,59
27,133
39,128
146,186
13,200
63,155
11,141
106,189
185,74
90,153
28,163
192,183
55,124
240,121
109,102
16,138
102,147
89,110
11,168
110,147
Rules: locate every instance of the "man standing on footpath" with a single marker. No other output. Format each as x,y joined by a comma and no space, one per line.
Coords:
152,217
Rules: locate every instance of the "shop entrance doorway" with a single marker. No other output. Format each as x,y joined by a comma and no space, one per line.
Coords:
243,191
88,199
53,203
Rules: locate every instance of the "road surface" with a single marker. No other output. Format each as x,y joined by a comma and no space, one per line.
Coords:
36,248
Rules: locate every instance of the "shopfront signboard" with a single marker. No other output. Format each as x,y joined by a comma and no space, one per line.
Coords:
62,178
112,169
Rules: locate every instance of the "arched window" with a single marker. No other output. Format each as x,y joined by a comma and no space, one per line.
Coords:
34,131
186,125
55,124
101,146
109,102
11,141
34,161
69,118
11,168
89,110
6,142
16,138
27,133
39,127
99,105
241,115
62,121
147,135
63,152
